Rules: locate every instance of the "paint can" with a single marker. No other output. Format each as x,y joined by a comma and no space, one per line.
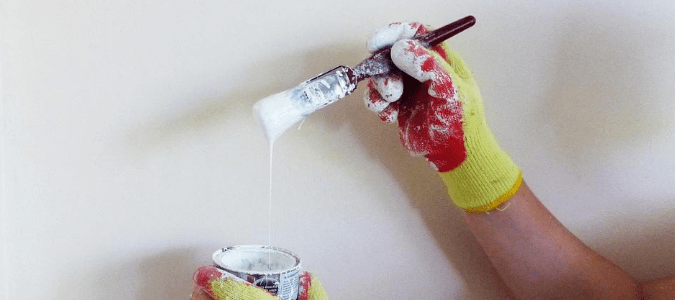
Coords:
273,269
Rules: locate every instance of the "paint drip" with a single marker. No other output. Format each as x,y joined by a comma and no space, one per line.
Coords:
277,113
269,241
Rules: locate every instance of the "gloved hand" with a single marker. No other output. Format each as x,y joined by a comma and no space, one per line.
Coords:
213,284
440,116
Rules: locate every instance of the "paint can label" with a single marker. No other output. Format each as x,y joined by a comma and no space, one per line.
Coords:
273,269
288,284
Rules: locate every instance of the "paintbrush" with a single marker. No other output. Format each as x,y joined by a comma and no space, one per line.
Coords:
280,111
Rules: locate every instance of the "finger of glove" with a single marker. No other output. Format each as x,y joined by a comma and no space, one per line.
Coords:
199,294
381,94
316,291
387,111
387,35
312,289
389,86
221,285
423,65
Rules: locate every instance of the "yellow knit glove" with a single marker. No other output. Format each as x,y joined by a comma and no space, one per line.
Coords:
441,116
220,285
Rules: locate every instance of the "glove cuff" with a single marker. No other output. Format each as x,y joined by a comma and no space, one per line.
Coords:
487,178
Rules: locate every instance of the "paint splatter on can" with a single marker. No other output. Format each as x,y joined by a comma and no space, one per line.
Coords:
273,269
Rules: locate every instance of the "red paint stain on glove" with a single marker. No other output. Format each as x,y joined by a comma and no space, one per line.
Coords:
430,115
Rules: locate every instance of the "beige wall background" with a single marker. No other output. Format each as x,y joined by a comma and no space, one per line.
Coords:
130,154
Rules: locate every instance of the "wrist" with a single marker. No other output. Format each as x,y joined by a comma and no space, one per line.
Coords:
487,178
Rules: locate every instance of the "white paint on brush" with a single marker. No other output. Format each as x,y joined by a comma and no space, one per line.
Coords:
277,113
280,111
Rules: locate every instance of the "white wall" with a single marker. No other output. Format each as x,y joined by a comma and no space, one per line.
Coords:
129,153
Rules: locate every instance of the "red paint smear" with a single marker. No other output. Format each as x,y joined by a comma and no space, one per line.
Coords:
428,64
416,49
442,84
440,51
419,113
205,275
305,284
374,98
371,84
388,112
373,95
421,29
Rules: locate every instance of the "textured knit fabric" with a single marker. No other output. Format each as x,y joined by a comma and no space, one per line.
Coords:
487,177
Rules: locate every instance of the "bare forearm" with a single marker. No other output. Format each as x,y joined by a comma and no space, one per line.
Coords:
538,258
662,289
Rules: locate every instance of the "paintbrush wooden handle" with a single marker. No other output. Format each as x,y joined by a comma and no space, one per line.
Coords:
441,34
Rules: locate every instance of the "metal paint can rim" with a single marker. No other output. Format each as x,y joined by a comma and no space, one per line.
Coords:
221,253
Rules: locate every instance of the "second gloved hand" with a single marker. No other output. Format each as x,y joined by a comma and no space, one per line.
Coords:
440,116
214,284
